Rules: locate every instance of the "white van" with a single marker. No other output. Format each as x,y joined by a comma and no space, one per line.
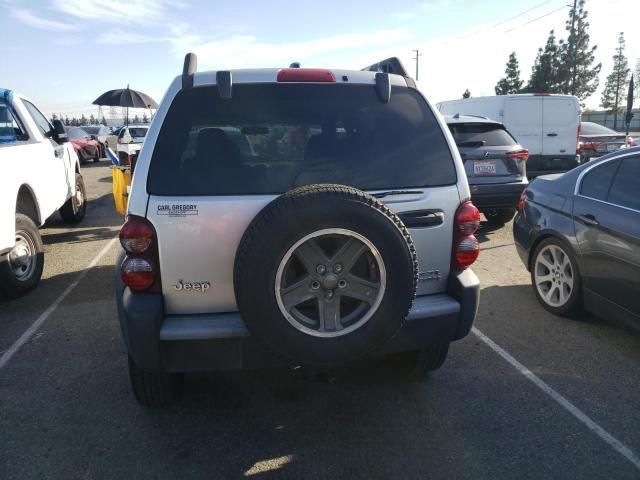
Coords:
547,125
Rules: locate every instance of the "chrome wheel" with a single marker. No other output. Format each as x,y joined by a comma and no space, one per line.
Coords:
330,282
553,275
78,198
22,258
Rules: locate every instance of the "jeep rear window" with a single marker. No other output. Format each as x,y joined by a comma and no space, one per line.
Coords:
480,135
270,138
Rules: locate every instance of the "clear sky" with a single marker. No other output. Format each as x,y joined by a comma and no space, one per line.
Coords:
64,53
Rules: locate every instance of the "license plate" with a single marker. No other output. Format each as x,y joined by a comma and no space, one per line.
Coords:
486,167
612,147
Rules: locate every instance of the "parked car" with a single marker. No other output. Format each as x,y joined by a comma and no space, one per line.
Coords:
579,235
546,125
309,252
596,140
495,164
99,133
40,175
86,147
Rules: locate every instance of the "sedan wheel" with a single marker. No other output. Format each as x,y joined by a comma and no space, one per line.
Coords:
555,277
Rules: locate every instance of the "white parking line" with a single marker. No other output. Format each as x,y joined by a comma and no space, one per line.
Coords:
24,338
617,445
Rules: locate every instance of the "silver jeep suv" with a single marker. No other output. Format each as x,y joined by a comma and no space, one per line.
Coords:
294,215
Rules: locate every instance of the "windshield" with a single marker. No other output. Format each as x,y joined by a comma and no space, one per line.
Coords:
590,128
138,132
270,138
480,135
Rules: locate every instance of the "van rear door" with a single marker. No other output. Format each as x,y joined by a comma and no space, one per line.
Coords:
560,125
523,118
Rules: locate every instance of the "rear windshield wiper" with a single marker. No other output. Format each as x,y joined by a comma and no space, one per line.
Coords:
397,192
476,143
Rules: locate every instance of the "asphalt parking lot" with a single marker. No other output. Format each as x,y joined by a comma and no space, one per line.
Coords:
66,409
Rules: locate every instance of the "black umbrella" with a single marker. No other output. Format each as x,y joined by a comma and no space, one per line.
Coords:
125,97
629,105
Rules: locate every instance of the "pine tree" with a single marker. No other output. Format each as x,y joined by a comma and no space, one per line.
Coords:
145,119
579,75
545,73
83,120
511,82
53,117
103,121
466,94
92,119
613,95
66,121
136,120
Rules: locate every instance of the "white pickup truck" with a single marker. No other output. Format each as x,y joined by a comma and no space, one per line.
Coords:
40,174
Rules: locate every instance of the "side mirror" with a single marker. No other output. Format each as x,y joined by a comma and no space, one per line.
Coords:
59,133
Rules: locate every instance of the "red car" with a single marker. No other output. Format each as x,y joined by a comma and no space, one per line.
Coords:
86,147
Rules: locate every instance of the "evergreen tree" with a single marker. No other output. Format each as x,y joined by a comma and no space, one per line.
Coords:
66,121
74,122
511,82
545,73
466,94
92,120
578,73
145,119
614,93
53,117
136,119
103,121
83,120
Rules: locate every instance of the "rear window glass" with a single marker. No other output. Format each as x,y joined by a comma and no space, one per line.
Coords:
480,135
270,138
588,128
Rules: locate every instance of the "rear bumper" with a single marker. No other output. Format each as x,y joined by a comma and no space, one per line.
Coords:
222,342
547,164
500,195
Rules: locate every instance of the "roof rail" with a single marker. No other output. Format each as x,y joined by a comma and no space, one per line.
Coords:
389,65
189,69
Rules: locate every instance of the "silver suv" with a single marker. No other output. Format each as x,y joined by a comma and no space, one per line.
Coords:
294,215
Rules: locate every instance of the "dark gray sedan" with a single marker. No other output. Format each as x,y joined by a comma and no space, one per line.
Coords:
579,236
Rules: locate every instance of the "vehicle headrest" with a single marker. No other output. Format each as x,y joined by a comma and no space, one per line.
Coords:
4,114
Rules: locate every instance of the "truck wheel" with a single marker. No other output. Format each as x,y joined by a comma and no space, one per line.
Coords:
423,361
74,209
325,274
21,268
499,216
155,388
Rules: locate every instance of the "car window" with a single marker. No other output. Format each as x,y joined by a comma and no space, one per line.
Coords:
11,129
138,132
625,190
596,182
76,133
480,135
41,121
588,128
270,138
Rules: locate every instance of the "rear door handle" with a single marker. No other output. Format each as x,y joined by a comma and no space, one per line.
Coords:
422,218
588,219
552,134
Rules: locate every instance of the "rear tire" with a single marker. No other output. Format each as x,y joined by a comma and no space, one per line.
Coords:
421,362
499,216
155,388
17,277
74,209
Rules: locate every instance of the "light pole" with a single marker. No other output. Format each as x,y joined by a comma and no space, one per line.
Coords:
416,58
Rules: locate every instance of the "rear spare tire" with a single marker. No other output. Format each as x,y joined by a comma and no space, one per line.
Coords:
325,274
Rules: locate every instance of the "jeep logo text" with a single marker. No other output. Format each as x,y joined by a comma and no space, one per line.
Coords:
196,286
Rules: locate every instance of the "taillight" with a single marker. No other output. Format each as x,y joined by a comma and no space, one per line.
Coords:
523,197
316,75
137,273
578,136
519,154
140,268
465,245
590,145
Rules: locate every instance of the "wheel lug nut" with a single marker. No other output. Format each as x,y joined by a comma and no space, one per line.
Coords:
337,268
321,269
342,283
329,294
315,285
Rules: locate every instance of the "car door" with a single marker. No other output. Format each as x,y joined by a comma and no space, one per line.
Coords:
559,126
606,216
51,164
523,118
